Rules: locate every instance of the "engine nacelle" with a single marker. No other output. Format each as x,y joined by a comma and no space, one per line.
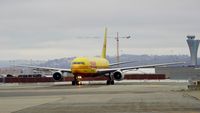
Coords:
118,75
58,76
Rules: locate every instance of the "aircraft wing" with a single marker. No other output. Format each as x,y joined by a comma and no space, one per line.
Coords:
46,68
114,64
110,70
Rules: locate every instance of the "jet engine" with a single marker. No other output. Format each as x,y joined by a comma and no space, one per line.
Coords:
118,75
58,76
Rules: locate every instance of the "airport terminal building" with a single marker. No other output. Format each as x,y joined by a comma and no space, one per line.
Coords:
181,73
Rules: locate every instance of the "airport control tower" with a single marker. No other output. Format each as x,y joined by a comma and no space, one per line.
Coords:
193,46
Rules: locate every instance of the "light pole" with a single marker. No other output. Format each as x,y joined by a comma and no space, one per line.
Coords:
117,39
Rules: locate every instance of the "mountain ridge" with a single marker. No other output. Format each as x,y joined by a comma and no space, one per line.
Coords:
138,60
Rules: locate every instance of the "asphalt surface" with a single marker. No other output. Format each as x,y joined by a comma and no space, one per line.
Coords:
120,98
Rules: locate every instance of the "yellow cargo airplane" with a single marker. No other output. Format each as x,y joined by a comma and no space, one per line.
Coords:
95,66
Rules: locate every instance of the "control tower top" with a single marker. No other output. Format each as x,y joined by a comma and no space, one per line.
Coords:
191,37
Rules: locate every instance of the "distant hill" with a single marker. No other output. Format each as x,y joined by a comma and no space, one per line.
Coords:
138,60
59,63
7,63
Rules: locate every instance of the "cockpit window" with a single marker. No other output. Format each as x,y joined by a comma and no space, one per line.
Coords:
78,63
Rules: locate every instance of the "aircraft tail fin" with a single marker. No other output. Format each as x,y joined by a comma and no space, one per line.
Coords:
103,55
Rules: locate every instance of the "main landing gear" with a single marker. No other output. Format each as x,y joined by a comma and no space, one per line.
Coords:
110,80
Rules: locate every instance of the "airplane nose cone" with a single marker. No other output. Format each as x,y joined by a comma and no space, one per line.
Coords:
75,68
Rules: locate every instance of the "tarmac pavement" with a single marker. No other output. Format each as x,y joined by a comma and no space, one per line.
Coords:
141,97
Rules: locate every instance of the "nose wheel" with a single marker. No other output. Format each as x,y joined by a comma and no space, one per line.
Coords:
77,80
76,83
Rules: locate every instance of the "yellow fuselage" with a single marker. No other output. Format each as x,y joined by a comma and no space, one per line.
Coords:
88,66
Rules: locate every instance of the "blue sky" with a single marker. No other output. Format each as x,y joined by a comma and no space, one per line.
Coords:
47,29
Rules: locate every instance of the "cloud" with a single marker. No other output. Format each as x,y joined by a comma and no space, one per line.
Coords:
57,24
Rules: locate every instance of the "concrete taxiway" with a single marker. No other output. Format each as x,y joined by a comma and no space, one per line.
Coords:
124,97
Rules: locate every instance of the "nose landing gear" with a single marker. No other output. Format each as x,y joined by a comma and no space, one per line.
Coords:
77,80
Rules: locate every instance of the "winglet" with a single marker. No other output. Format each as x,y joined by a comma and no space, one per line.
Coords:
103,55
